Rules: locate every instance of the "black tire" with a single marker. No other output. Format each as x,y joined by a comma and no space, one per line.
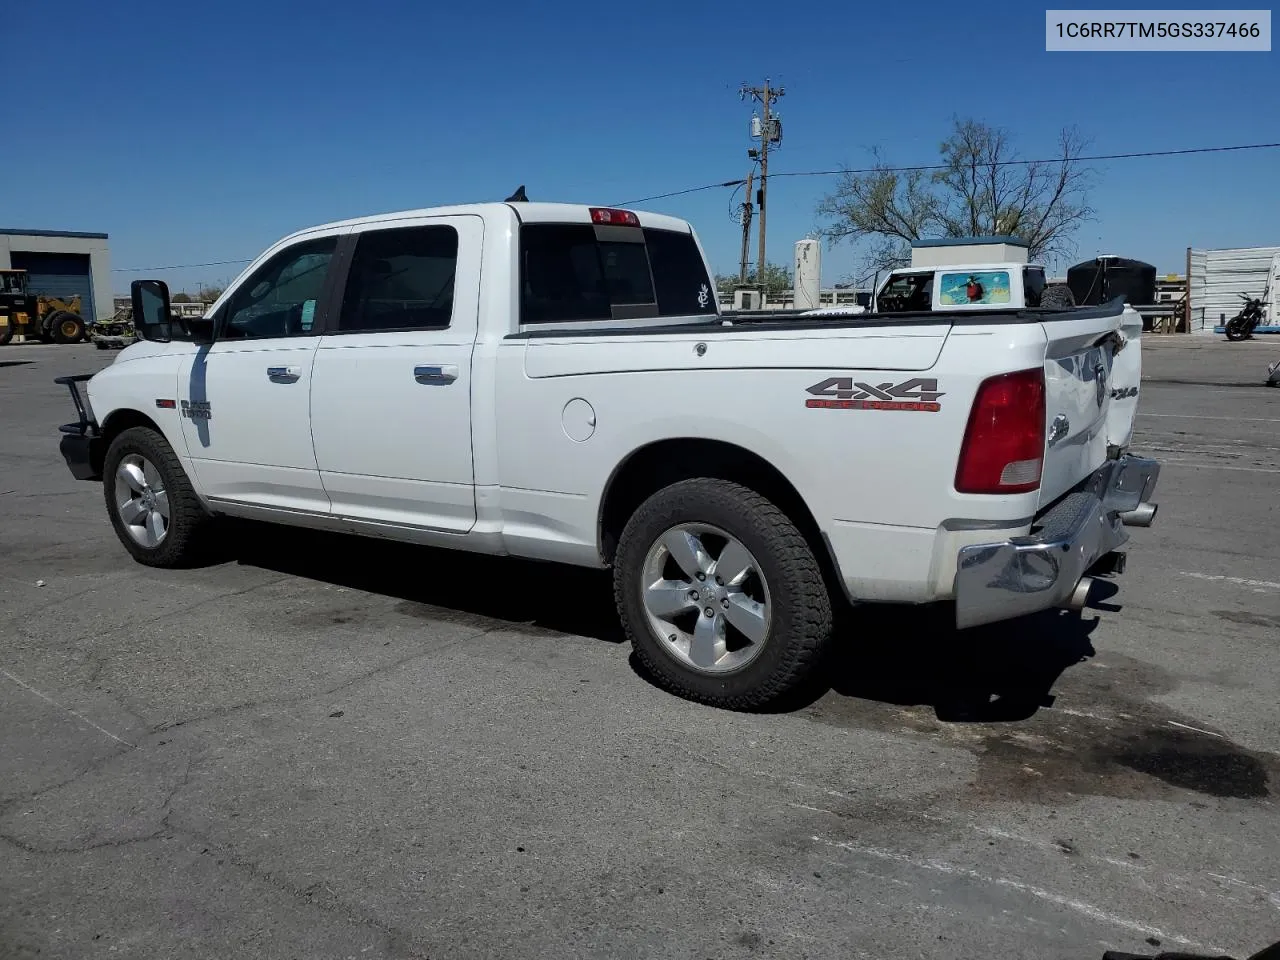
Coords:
1058,296
1237,329
187,536
800,625
67,327
6,334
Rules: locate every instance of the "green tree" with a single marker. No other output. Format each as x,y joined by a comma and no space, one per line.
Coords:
981,186
209,294
776,279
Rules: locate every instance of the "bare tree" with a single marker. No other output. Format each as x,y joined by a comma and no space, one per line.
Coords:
982,187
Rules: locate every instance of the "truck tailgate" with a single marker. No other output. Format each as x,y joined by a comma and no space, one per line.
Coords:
1080,367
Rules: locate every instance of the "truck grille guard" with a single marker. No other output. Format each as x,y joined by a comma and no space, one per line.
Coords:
85,426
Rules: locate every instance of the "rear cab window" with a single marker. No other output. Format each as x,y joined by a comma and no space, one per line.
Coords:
974,288
600,273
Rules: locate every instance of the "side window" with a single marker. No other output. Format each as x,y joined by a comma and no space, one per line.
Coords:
974,287
401,279
279,300
1033,285
907,293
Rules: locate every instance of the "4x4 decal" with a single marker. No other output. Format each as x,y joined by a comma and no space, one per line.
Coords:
842,393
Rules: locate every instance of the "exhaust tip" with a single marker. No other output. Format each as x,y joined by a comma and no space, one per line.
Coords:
1140,516
1080,595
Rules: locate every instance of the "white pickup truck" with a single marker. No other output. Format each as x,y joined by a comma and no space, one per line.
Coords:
556,382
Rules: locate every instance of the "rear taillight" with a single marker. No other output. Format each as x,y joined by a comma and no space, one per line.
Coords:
616,218
1003,449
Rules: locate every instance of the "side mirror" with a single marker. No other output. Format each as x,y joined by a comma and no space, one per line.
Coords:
151,309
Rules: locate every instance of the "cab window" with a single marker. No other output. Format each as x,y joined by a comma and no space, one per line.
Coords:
575,273
1033,284
401,279
907,293
280,299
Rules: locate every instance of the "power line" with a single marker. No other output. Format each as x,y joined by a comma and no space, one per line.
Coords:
942,166
176,266
828,173
681,193
1015,163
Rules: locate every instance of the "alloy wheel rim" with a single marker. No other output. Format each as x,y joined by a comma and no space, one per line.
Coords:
142,501
706,598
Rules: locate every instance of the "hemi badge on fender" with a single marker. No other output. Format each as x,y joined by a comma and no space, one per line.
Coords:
167,404
842,393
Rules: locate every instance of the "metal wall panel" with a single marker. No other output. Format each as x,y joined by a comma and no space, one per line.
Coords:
1218,277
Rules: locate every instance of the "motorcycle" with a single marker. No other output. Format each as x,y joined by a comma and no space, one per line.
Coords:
1242,325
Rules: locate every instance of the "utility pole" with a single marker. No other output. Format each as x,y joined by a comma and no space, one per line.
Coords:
746,228
770,132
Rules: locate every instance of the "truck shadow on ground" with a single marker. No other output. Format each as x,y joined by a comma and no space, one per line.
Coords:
897,655
1000,672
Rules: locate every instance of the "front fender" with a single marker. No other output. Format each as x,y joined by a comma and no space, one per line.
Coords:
144,387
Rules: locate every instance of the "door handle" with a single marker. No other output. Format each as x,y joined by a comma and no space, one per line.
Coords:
284,374
435,373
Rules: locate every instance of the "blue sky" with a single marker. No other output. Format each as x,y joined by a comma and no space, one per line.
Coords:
193,133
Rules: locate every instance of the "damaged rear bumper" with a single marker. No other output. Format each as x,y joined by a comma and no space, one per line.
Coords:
1046,569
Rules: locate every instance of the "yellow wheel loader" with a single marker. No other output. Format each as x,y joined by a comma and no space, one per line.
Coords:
47,319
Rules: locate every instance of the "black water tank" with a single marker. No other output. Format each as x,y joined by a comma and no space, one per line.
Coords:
1105,278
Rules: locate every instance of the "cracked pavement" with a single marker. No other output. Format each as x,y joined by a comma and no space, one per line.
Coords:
327,748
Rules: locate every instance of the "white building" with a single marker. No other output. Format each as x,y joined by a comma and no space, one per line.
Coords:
62,263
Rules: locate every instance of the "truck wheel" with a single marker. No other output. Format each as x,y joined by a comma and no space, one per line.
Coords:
721,595
67,328
152,505
6,334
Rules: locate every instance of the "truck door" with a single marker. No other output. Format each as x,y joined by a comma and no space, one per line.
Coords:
391,392
245,398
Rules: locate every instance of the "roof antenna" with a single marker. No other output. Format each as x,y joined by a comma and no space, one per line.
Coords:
518,196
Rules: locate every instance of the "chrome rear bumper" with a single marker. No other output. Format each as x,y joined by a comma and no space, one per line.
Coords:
999,581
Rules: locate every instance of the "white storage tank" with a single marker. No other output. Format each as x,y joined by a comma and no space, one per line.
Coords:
808,275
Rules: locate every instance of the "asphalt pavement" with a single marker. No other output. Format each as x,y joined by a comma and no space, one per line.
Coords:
322,747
